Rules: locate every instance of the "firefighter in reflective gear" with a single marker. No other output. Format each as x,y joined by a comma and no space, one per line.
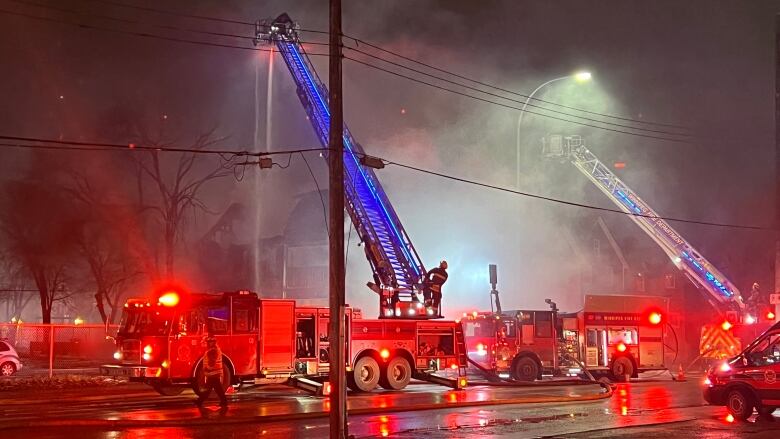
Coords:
212,373
434,280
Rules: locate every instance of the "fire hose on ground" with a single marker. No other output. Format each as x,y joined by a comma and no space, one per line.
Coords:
494,380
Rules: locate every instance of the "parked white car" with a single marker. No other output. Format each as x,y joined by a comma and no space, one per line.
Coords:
9,359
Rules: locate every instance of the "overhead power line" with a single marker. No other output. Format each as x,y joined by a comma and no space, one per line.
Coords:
572,203
359,41
193,16
143,34
650,136
212,44
74,145
68,145
251,38
519,101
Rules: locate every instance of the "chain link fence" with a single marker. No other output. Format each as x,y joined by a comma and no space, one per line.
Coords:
50,349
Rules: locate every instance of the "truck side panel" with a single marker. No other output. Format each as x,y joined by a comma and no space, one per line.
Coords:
277,335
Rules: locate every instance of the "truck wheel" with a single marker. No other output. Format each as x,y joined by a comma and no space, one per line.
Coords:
739,404
168,390
621,368
526,369
365,375
396,375
766,410
7,369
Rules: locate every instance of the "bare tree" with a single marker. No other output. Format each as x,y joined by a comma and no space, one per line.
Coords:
104,237
37,226
178,179
13,286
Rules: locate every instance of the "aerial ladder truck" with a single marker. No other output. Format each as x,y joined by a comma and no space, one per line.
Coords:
398,272
721,293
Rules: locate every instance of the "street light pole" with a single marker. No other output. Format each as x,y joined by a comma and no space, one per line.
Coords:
581,76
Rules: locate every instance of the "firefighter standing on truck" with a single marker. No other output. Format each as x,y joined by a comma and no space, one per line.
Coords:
212,373
434,280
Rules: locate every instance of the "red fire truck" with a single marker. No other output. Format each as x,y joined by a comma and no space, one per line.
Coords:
618,336
161,342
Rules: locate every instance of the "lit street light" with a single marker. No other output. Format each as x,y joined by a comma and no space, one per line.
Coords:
579,77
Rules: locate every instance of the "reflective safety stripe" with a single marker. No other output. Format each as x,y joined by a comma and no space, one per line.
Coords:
212,366
718,343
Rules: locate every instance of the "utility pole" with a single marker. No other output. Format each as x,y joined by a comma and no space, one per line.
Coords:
338,396
777,161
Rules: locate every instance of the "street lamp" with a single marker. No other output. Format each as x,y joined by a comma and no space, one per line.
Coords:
578,76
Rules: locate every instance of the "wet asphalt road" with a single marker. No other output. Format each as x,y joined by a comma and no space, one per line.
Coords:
646,409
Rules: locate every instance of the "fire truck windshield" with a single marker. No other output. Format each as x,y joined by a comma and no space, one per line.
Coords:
145,321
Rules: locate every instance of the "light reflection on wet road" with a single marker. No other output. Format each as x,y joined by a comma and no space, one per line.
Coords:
632,404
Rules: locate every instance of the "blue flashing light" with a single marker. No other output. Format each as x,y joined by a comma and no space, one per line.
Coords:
325,111
628,202
709,276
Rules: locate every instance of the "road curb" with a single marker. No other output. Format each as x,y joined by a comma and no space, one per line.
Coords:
111,424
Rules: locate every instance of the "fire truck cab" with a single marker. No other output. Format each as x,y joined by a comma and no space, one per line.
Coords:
518,344
748,380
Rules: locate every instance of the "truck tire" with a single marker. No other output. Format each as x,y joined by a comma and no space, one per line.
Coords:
766,410
739,404
525,369
168,390
396,375
198,382
7,369
365,375
622,367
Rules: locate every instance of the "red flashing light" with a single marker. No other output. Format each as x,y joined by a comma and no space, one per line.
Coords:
326,388
726,325
770,315
385,354
620,165
654,318
621,347
454,366
729,418
169,298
